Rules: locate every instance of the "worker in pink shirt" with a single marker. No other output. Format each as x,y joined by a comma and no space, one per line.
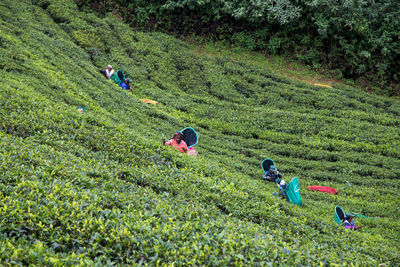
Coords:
177,142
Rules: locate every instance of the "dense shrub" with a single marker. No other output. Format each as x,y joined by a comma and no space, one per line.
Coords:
98,187
356,38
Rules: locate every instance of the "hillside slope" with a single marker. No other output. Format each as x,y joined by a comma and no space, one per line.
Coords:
98,187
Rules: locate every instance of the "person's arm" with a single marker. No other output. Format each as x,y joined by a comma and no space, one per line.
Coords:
184,148
267,176
168,143
163,141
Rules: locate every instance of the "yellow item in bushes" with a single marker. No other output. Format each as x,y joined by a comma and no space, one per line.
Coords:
148,101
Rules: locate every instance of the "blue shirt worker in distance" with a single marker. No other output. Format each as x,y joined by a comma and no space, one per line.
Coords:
126,84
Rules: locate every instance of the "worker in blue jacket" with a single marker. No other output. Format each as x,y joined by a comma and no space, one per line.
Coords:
126,84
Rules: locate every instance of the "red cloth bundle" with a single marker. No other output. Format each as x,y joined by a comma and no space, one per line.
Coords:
324,189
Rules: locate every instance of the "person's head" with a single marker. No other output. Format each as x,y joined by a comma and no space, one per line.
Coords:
178,137
128,80
109,67
273,169
349,217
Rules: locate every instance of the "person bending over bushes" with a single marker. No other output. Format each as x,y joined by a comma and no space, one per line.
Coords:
348,222
126,84
177,142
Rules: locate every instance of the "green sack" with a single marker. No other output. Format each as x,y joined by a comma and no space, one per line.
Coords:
362,216
118,77
293,192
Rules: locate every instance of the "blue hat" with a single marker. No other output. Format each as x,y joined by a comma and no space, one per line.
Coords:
272,168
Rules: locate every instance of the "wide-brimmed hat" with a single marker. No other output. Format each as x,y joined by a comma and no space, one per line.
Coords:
348,215
272,168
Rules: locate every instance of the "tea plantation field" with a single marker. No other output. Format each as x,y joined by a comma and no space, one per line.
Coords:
98,188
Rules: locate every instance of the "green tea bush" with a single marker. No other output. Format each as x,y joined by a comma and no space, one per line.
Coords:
353,39
98,188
